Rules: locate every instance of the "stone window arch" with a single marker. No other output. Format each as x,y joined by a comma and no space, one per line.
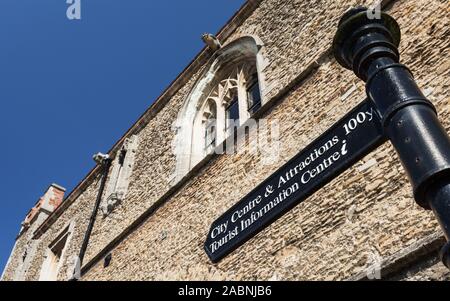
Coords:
227,94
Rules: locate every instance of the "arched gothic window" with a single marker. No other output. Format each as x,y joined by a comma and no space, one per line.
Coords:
224,98
232,99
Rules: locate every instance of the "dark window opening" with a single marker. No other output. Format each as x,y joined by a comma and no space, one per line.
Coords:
210,134
232,116
254,96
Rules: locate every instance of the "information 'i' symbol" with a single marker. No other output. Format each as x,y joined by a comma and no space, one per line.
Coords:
344,150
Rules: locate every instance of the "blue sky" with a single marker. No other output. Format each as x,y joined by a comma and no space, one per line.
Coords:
71,88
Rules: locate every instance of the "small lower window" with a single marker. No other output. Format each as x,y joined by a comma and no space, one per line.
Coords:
54,255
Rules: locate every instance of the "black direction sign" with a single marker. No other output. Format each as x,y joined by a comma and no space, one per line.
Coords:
340,147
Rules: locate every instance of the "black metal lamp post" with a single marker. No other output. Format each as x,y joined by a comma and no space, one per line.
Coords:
369,47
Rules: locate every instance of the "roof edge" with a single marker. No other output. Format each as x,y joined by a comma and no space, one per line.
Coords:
202,57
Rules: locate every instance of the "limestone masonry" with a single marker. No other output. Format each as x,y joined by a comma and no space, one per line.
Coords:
166,185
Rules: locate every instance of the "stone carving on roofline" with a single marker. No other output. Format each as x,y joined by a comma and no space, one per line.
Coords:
212,41
119,179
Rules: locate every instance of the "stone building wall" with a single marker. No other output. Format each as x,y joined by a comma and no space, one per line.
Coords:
149,181
364,214
361,218
24,252
79,215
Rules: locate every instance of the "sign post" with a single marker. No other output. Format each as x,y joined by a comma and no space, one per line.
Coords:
340,147
395,109
369,47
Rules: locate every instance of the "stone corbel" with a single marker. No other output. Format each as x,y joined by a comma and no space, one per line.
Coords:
112,202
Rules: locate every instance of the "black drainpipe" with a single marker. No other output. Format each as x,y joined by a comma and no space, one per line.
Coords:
105,165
